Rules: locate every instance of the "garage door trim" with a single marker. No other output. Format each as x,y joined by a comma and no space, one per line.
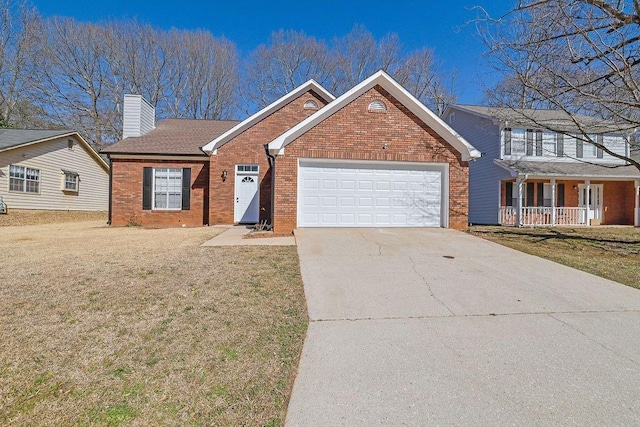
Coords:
443,168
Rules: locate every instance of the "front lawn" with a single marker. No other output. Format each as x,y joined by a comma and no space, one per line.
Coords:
609,252
115,326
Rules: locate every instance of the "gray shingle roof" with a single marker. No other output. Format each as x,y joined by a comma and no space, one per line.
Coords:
173,136
571,169
548,119
12,138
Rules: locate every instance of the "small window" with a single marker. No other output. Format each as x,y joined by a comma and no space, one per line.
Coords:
452,118
247,168
310,105
377,106
70,144
24,180
71,180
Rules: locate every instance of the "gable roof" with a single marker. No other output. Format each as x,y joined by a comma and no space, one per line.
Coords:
386,82
14,138
173,136
218,142
11,139
557,120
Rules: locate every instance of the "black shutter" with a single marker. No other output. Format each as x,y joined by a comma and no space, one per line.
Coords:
186,189
509,193
530,187
507,141
538,143
529,142
560,195
600,152
579,148
560,145
540,194
147,179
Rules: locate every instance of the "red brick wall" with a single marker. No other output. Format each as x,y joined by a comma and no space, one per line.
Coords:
618,202
248,147
126,202
354,133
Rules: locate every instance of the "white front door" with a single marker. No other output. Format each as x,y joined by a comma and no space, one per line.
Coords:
247,202
594,204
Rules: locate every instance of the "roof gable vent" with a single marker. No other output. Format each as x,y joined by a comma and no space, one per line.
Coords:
377,106
310,105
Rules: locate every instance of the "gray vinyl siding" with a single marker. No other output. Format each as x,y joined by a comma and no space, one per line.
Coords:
51,158
138,116
484,174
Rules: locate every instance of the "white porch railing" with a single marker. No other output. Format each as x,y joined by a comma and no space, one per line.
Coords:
543,216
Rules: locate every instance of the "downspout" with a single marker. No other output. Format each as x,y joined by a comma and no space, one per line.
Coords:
110,188
272,164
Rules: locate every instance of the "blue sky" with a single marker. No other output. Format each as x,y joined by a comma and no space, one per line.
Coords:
437,24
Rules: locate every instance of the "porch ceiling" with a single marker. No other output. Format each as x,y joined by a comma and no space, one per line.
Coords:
572,170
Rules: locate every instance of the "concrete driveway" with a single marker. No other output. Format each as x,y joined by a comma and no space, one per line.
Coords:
436,327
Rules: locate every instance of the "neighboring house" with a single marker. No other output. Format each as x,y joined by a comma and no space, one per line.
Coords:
529,175
374,157
51,170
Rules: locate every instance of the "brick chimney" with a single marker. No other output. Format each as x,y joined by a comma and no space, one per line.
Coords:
138,116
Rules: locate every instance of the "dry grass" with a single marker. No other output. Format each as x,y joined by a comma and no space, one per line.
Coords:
609,252
114,326
34,217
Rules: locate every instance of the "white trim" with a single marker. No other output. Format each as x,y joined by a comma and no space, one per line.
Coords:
442,166
636,222
405,98
212,146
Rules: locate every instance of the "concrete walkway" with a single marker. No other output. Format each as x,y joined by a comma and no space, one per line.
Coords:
435,327
234,236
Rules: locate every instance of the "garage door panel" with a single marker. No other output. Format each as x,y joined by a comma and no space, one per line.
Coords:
366,195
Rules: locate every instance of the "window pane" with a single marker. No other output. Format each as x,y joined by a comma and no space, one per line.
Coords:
549,143
16,184
517,141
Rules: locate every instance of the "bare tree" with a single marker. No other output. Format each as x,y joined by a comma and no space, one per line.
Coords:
289,59
420,74
577,56
201,76
358,55
20,27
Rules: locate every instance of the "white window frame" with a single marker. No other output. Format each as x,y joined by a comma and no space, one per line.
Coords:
166,193
71,178
25,180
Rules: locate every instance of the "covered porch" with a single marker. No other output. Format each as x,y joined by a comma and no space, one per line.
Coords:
605,197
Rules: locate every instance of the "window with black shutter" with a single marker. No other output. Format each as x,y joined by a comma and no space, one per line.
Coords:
147,180
529,142
507,141
599,150
509,193
186,189
560,145
560,195
530,194
579,148
538,143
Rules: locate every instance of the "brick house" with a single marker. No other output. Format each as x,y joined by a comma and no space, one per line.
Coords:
537,169
373,157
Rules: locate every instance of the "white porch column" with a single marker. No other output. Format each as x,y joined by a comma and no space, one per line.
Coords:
519,184
587,200
553,201
637,210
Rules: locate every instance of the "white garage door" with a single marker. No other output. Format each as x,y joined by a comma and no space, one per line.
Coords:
370,194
